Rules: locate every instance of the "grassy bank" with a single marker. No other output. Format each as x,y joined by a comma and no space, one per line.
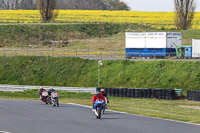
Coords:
96,36
148,107
75,72
39,35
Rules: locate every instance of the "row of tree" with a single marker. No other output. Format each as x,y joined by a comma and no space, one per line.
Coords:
67,4
18,4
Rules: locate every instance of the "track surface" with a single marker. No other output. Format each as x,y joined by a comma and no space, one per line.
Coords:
18,116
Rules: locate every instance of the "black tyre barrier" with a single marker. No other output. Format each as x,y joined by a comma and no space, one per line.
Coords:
106,90
112,91
109,91
124,94
164,93
171,94
153,92
149,93
145,93
132,92
120,92
159,94
168,94
129,93
136,93
193,95
117,92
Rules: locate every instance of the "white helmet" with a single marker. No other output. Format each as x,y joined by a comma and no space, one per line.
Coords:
41,87
102,90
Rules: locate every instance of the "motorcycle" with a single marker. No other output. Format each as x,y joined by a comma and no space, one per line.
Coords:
55,99
98,106
44,97
105,105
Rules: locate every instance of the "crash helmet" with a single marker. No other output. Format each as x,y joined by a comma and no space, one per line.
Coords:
51,89
102,90
41,88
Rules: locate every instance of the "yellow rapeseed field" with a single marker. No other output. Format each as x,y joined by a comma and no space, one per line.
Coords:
157,20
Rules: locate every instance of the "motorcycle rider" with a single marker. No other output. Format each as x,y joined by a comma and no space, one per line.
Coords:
50,91
97,96
40,92
105,95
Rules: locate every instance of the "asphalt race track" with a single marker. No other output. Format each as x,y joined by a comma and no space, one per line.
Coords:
18,116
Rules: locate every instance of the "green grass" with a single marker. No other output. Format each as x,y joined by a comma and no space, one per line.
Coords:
101,36
28,35
146,107
76,72
150,107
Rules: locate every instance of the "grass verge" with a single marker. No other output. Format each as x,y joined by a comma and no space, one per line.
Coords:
76,72
147,107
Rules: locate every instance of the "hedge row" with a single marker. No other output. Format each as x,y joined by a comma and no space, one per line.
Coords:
193,95
168,94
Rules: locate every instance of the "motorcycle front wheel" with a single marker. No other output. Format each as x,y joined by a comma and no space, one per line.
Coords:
57,104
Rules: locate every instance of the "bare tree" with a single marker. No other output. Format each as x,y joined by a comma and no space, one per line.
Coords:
116,5
184,13
7,4
26,4
61,4
47,9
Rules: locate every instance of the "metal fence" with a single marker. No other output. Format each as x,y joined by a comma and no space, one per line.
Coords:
62,53
89,54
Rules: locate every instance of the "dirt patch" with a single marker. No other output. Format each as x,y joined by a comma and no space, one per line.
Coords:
190,107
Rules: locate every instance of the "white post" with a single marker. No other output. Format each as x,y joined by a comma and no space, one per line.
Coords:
98,75
99,64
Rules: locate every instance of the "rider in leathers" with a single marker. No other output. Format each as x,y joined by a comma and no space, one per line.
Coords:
97,96
105,95
40,93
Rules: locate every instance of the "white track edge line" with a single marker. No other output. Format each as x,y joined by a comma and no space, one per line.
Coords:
138,115
4,132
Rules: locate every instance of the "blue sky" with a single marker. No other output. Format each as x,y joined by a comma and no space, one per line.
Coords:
154,5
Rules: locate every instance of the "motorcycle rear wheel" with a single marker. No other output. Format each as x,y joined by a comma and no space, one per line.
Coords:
99,114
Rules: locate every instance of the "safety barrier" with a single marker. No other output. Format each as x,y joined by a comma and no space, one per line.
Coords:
15,88
193,95
167,94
